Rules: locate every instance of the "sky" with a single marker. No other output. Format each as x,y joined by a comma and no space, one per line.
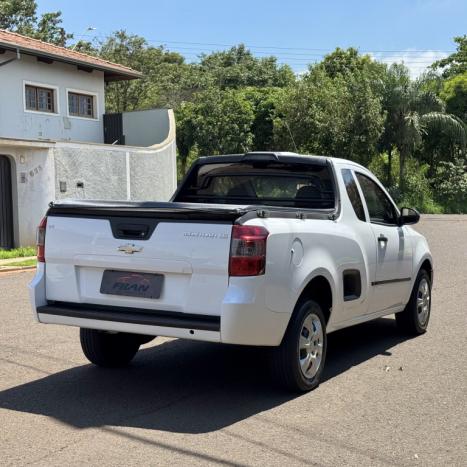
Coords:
298,32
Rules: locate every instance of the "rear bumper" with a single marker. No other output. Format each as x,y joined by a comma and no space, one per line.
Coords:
243,319
132,316
136,322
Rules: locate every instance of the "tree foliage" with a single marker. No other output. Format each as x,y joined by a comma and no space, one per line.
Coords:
331,112
21,16
17,15
454,93
221,122
451,184
157,88
413,113
456,63
237,67
349,62
411,132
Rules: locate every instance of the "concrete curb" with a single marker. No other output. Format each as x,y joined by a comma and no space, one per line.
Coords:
4,269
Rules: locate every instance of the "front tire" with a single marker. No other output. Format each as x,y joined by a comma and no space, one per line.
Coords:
109,350
416,315
299,361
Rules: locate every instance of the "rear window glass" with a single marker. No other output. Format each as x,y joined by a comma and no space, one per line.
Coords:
273,183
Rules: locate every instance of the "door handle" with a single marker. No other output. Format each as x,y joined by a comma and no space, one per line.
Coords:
382,238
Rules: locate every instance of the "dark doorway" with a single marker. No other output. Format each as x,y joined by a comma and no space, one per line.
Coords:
6,204
113,129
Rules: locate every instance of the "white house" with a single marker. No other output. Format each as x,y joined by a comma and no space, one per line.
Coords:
54,130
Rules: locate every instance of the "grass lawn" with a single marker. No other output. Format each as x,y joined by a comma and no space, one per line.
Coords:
18,252
27,262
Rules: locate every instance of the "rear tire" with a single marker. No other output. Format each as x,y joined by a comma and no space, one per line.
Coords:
110,350
299,361
414,319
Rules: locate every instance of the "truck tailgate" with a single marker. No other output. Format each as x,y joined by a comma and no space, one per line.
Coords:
190,256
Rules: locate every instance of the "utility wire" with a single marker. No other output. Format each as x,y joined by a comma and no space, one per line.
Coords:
291,55
250,46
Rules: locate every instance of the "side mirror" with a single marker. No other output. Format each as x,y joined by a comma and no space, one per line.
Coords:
409,216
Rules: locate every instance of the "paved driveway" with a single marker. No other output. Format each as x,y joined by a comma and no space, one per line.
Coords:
385,399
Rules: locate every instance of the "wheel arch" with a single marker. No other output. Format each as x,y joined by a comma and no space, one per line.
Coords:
422,257
427,265
320,288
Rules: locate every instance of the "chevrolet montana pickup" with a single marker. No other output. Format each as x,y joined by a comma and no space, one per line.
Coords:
260,249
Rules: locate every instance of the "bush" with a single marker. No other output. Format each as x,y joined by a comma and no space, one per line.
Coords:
417,193
451,186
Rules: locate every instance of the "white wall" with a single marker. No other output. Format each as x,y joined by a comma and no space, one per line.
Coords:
16,123
33,185
115,172
145,127
106,172
120,172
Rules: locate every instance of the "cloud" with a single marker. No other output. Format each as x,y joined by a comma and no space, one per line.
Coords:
417,61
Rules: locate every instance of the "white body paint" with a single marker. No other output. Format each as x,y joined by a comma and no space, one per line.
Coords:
194,259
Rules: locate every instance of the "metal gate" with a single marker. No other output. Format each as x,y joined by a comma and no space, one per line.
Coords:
6,204
113,129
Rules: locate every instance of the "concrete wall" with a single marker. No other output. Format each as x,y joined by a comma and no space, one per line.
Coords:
89,171
120,173
33,185
153,177
15,122
107,172
145,127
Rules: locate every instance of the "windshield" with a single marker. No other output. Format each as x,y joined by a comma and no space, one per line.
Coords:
273,183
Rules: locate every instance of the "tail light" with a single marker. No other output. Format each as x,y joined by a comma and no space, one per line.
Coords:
248,250
40,240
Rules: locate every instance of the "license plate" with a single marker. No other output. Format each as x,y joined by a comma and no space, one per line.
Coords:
132,284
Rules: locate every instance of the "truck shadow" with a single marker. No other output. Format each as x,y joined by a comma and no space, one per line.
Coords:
183,386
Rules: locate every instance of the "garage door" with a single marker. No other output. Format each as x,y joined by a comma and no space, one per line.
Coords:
6,204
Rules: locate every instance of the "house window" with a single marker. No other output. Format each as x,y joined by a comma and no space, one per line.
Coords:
81,105
40,99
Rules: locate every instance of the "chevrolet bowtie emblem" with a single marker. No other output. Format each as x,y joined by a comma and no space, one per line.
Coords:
130,248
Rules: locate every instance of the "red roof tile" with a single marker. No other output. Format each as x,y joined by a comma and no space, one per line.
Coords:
27,45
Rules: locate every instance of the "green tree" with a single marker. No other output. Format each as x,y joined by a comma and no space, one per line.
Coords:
134,52
222,122
186,133
454,93
18,15
264,103
177,82
21,16
347,62
397,77
337,114
412,114
238,67
456,63
49,29
415,126
86,47
451,185
215,122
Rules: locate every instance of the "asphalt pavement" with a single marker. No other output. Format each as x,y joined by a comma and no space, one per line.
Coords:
385,399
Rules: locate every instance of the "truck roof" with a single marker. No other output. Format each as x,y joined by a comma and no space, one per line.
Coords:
279,156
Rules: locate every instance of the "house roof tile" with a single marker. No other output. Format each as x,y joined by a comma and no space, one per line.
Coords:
27,45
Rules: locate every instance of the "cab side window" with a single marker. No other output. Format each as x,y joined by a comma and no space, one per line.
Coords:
380,209
353,194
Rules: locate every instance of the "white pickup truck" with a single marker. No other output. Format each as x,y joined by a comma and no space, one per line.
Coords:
262,249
